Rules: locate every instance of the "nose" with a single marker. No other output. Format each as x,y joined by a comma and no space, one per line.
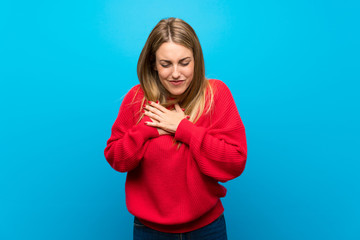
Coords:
175,73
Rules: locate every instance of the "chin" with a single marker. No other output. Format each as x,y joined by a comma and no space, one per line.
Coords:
176,93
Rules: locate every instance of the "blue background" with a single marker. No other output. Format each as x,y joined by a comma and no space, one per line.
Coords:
293,69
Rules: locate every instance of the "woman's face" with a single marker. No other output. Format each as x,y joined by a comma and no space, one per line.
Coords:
175,67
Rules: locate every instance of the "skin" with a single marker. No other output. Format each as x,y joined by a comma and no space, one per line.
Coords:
166,121
174,62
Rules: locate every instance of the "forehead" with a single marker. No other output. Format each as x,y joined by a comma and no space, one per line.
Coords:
173,51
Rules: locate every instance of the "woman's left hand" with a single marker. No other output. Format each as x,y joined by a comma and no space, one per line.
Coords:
166,119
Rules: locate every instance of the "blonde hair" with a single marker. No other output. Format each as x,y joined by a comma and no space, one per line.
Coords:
194,98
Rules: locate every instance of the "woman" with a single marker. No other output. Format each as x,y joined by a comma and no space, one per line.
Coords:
177,135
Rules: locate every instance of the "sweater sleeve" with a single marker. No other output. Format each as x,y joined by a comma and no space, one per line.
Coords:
126,145
220,149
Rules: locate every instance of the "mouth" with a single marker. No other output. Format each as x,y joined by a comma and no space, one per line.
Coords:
176,82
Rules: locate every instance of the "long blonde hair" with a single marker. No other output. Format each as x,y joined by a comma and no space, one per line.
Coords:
195,96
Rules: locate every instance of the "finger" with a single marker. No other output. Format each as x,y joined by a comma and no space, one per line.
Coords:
155,124
158,106
153,110
178,108
152,115
152,124
154,120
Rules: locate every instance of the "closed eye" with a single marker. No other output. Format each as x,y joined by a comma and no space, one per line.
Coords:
167,65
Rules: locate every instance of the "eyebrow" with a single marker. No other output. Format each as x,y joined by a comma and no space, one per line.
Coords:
170,61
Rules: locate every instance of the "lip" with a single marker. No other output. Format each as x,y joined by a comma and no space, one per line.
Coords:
176,82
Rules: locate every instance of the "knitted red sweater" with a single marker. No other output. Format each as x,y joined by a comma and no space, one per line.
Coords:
177,190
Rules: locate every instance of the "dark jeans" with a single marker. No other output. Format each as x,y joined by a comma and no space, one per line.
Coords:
213,231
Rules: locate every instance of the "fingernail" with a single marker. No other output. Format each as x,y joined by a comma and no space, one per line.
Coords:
143,111
183,109
157,101
149,102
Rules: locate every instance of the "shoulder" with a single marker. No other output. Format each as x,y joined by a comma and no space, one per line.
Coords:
222,96
133,98
135,90
219,87
135,93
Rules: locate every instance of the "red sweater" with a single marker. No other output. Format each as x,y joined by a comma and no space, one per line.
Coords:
177,190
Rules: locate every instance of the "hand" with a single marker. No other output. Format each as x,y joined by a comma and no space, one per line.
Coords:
164,119
161,132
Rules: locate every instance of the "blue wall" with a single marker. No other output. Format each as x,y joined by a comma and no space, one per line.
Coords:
293,69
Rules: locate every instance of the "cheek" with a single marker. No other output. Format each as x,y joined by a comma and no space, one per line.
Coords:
163,73
189,71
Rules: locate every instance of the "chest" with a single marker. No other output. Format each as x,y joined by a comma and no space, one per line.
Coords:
163,154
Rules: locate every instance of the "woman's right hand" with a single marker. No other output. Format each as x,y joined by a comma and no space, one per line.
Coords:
161,117
160,130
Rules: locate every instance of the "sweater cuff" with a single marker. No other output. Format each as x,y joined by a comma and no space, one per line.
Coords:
184,131
148,131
